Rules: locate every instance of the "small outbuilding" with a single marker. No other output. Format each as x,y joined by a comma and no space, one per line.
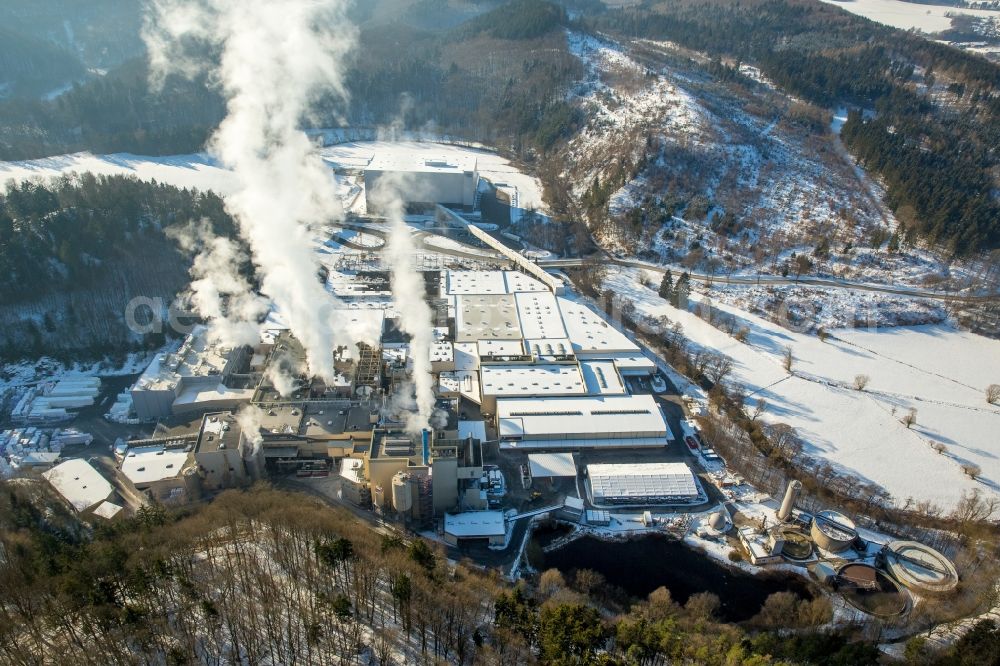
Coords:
475,526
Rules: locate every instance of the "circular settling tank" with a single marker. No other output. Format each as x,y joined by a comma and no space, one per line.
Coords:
798,545
832,531
871,590
920,567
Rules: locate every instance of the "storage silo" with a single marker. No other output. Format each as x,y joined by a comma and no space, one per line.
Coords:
402,493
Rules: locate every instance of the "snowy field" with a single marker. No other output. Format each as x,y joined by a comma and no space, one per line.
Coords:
192,171
940,372
906,15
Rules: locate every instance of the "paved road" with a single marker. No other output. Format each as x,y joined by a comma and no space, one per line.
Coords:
828,283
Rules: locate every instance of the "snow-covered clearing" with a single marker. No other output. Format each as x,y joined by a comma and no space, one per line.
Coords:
906,15
940,372
191,171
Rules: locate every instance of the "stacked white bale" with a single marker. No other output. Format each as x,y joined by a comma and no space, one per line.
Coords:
80,381
48,414
71,436
67,402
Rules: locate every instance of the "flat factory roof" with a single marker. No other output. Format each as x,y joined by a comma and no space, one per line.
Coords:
591,417
602,378
535,380
539,315
147,465
590,332
460,382
476,282
622,482
522,282
487,317
79,483
491,282
549,347
547,465
412,163
475,524
487,348
442,352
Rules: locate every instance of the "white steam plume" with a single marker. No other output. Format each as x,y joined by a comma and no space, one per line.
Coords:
283,372
276,58
250,418
408,295
218,292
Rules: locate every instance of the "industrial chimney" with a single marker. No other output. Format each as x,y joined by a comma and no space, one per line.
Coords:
791,494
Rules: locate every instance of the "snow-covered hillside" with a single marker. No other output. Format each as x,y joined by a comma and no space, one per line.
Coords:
732,181
938,371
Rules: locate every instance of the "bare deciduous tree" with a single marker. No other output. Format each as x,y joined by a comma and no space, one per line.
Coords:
993,393
910,419
860,382
789,360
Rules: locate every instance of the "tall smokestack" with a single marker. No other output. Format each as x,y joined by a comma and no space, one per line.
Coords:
791,494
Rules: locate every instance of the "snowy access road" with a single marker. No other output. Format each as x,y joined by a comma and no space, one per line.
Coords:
833,283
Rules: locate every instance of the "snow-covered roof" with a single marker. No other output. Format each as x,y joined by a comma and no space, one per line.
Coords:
464,382
475,524
442,352
79,483
486,317
385,160
590,332
499,348
522,282
624,481
549,347
539,315
148,464
352,469
602,378
547,465
534,380
476,282
108,510
591,417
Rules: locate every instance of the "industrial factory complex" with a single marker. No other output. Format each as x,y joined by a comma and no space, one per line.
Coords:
543,408
518,369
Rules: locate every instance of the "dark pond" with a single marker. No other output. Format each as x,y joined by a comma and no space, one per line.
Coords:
642,565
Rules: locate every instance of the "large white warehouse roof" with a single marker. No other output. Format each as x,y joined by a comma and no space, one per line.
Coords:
590,421
79,483
641,483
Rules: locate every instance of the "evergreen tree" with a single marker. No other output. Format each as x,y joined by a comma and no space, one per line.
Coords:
667,286
680,296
